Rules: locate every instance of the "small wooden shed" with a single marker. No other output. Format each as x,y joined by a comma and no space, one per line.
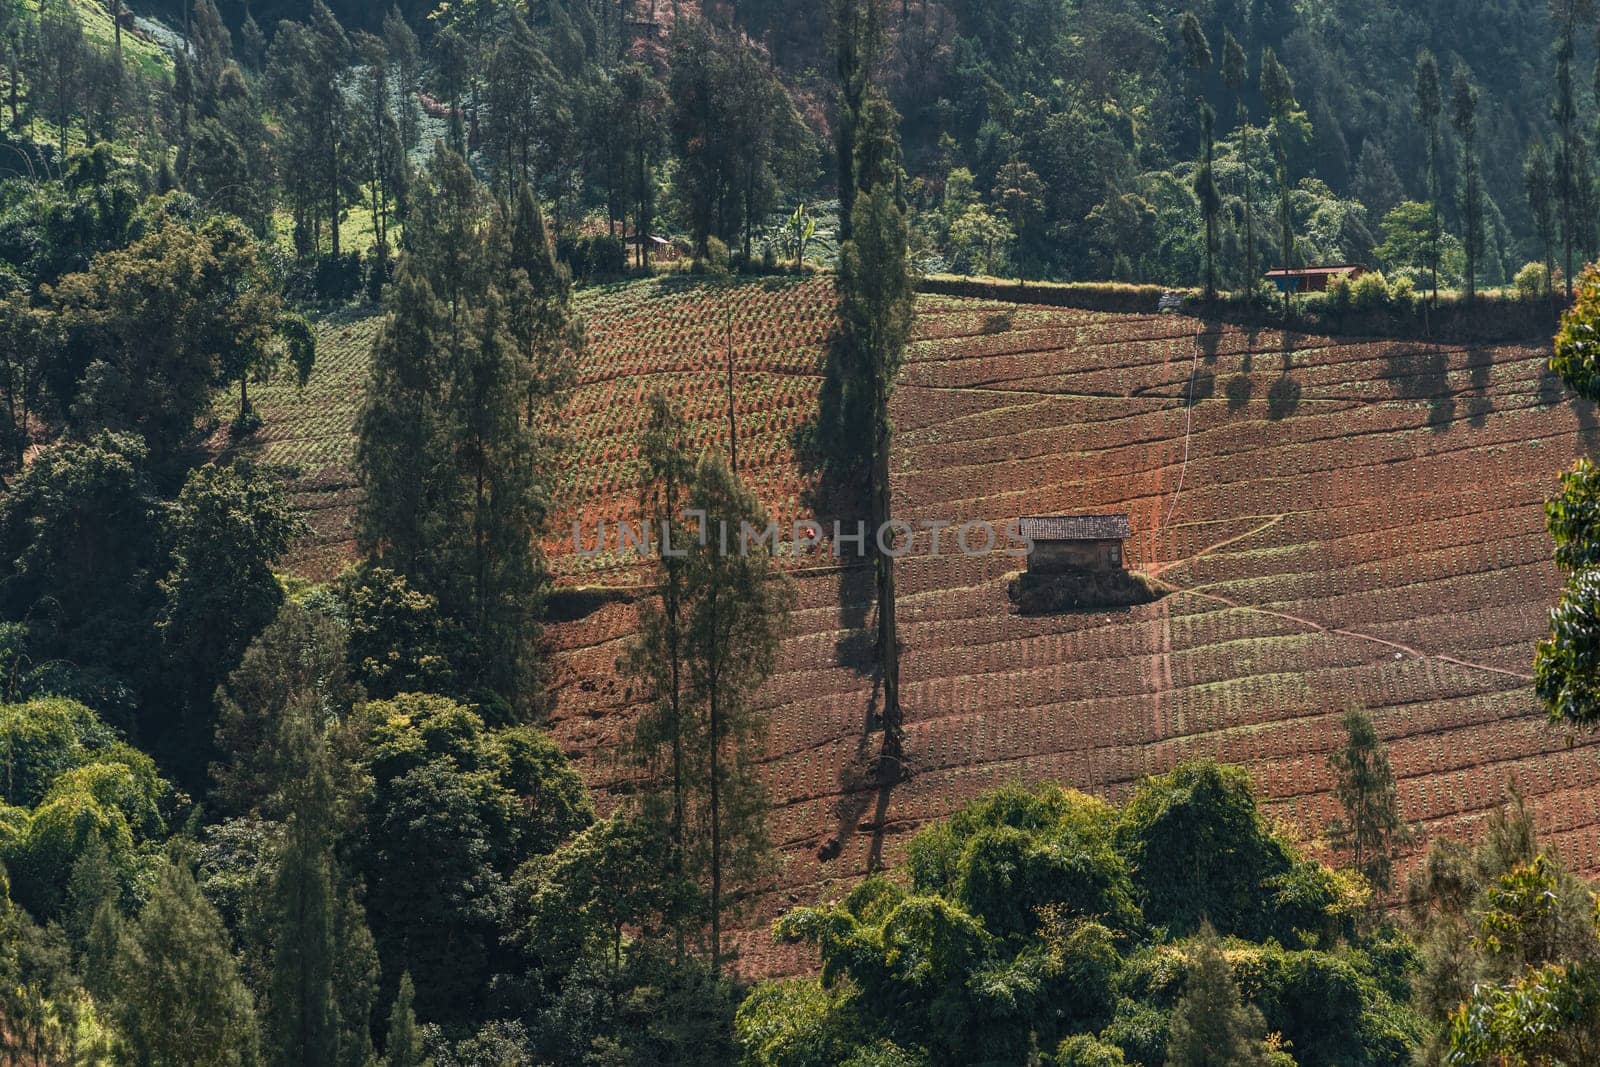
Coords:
1312,279
1074,542
656,249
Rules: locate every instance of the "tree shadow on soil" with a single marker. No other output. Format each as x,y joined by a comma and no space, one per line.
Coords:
830,456
839,496
1480,366
1239,387
1552,391
863,787
1283,399
1588,426
1203,385
830,453
1424,376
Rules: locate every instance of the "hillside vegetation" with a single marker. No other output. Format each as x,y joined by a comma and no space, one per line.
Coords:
346,356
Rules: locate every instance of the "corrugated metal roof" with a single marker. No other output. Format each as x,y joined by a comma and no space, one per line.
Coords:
1075,527
1298,272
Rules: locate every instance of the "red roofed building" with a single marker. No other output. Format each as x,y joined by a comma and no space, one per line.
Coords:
1312,279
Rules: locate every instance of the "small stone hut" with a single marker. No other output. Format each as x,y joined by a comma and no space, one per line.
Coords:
1060,543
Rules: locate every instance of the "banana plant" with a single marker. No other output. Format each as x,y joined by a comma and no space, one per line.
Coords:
802,228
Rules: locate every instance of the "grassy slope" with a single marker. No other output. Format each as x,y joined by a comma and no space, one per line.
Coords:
100,30
1357,521
138,51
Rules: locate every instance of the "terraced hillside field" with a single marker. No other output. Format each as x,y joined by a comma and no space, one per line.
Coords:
1339,522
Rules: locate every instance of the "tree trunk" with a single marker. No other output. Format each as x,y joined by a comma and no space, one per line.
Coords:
888,633
847,175
1211,255
1566,232
333,197
733,423
480,548
1250,210
63,85
1433,238
716,825
675,702
642,221
671,609
1211,221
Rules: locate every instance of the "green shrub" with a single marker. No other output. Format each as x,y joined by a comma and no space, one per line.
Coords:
1532,280
593,256
399,642
1172,832
1338,297
42,739
1403,293
885,1054
1083,1050
796,1023
1370,292
1009,944
715,261
58,834
244,424
1140,1030
1312,304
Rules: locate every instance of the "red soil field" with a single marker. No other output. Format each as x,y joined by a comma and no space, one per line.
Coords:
1358,523
1340,522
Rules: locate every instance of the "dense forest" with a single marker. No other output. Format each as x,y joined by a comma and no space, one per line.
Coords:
251,818
1415,138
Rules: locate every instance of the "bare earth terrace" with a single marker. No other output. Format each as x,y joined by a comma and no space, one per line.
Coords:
1339,521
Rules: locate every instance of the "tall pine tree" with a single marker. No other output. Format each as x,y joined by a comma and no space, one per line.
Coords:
324,967
1236,76
303,72
404,1046
736,612
1538,182
877,308
1570,169
1211,1025
1278,89
856,35
455,448
664,736
1205,191
179,997
1464,118
1197,54
302,1022
1371,828
1429,105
